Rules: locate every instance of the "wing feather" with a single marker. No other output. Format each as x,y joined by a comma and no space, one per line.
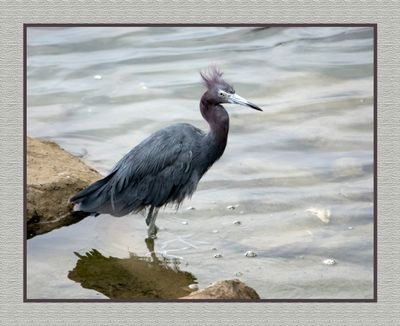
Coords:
152,172
159,170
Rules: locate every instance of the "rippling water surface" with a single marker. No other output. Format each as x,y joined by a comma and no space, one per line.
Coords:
99,91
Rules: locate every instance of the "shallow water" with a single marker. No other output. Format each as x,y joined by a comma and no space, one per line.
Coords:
99,91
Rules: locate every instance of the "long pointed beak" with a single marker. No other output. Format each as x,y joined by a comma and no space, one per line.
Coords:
236,99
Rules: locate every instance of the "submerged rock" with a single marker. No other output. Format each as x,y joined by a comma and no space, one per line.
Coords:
228,290
53,176
324,214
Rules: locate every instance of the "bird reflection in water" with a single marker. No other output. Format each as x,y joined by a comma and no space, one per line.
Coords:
134,277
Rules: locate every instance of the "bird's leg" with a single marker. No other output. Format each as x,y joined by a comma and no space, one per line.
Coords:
150,246
151,222
148,218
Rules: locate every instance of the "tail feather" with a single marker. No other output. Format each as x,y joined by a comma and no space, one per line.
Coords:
91,193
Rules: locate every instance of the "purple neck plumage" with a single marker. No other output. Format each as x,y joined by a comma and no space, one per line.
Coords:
218,120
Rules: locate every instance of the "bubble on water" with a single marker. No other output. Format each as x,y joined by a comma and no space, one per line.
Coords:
190,208
98,77
217,256
350,228
185,222
250,254
215,231
323,214
193,286
329,261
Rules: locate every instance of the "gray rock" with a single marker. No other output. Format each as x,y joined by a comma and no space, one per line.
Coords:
250,254
229,290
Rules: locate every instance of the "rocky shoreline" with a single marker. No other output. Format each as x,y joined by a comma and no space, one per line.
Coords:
50,184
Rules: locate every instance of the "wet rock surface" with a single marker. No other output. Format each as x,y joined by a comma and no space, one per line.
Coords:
227,290
53,176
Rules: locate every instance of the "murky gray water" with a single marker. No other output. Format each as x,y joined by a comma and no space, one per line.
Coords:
99,91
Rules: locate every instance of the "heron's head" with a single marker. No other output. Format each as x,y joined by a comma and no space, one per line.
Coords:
219,91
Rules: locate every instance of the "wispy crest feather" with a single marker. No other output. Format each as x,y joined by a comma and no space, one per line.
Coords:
212,76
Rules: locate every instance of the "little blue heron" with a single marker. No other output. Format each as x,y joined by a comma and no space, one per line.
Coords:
167,166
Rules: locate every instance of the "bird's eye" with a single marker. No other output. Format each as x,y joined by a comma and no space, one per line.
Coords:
221,94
